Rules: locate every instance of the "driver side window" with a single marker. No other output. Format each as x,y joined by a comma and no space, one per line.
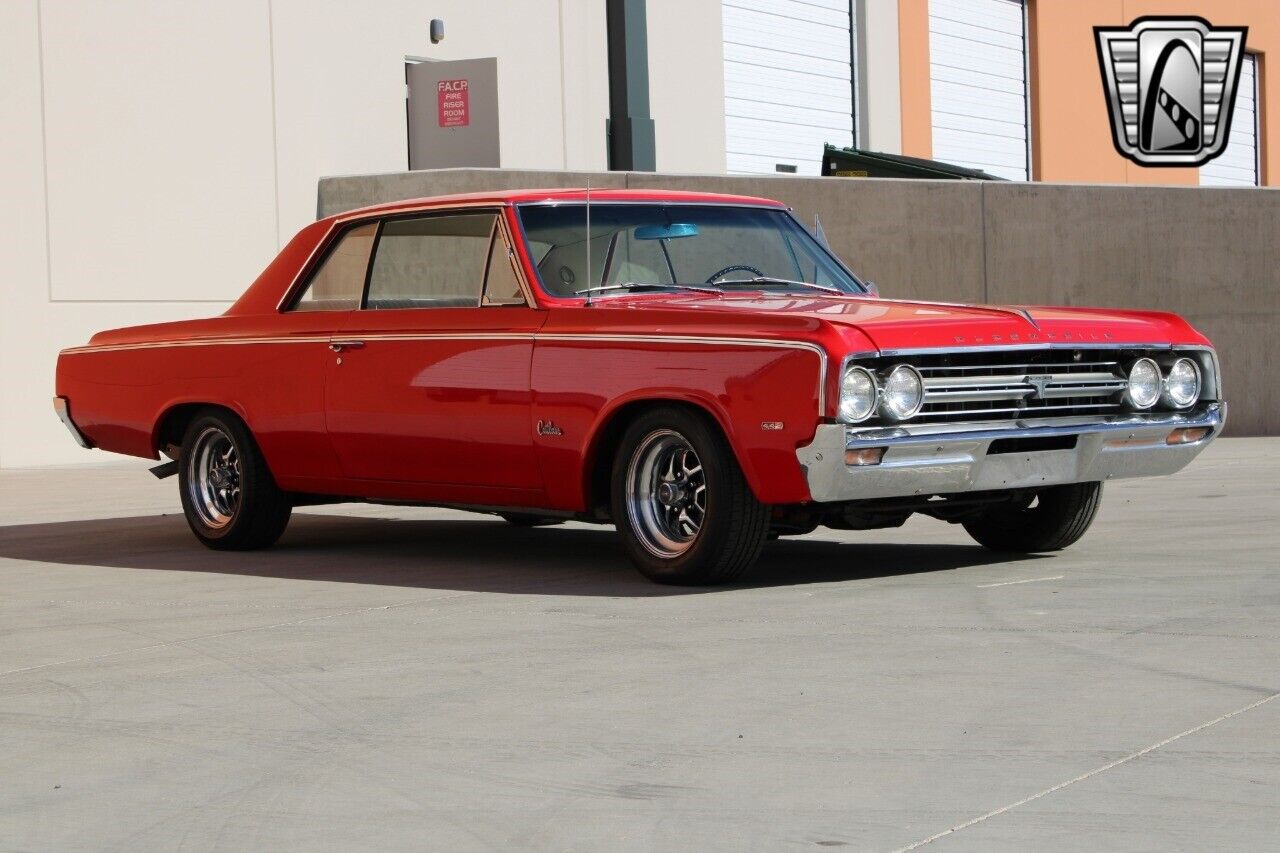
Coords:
431,261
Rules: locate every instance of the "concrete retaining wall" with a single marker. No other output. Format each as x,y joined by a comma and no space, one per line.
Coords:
1211,255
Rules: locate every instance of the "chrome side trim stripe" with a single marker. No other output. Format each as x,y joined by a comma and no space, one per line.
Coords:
197,342
770,343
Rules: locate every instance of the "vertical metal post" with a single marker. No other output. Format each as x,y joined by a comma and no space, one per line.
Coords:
630,128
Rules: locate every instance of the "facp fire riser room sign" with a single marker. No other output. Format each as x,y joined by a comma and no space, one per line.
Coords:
453,103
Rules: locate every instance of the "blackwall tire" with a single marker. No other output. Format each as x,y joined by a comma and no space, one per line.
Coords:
228,495
1060,517
681,503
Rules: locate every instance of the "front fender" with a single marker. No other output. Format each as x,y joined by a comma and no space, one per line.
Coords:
581,388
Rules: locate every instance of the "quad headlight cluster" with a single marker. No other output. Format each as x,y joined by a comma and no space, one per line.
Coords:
1178,389
896,394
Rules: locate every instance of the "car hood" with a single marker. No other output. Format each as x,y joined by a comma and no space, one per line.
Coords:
893,324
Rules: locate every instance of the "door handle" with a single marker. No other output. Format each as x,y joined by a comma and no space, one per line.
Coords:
339,346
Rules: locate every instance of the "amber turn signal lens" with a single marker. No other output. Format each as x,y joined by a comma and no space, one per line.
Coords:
1187,435
866,456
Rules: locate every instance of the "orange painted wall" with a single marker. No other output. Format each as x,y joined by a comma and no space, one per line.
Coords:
913,72
1070,131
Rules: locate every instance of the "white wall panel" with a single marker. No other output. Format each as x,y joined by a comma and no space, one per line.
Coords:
788,76
978,85
1237,166
158,134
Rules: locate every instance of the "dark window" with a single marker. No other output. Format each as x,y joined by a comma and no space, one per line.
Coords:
435,261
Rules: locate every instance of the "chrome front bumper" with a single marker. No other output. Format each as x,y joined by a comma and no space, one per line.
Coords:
933,459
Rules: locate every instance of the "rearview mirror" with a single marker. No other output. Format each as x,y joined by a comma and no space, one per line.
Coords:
666,232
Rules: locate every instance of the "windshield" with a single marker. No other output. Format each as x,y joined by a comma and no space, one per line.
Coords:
637,247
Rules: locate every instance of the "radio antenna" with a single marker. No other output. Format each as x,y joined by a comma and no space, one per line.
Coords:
590,283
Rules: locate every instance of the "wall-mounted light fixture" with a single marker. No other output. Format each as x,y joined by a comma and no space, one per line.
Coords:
437,30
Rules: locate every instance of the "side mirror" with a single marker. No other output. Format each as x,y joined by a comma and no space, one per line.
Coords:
873,289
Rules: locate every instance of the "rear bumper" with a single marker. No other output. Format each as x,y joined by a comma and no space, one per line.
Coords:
62,406
931,459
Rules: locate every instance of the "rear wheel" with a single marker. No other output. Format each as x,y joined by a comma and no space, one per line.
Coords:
1055,518
681,502
228,495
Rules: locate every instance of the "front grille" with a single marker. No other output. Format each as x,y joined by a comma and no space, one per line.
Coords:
1019,384
1021,389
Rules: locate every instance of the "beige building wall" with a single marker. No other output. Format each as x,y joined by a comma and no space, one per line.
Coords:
686,84
879,106
156,155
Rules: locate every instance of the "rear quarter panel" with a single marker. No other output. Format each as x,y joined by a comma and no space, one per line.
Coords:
269,370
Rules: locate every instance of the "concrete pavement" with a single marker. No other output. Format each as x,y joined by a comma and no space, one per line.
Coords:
392,678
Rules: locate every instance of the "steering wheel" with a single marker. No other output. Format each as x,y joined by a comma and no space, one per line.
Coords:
733,268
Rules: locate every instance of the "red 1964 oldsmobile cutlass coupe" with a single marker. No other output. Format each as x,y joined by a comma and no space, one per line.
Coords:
698,370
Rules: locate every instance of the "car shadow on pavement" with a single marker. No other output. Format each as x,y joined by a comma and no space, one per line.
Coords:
480,555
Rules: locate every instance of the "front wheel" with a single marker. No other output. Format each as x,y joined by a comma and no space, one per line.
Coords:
1055,518
684,509
229,497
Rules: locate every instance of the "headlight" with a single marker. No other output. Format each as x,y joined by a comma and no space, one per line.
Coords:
857,395
1145,384
1182,385
903,393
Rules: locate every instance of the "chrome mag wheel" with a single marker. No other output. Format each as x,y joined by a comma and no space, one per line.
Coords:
666,493
213,481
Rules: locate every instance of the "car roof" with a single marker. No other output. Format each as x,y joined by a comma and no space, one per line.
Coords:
575,194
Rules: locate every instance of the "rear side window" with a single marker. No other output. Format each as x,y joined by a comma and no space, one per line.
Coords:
431,261
338,283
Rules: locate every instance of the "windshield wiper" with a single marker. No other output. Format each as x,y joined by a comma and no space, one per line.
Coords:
766,279
645,285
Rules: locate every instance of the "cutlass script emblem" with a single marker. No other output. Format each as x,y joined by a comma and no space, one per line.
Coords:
548,428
